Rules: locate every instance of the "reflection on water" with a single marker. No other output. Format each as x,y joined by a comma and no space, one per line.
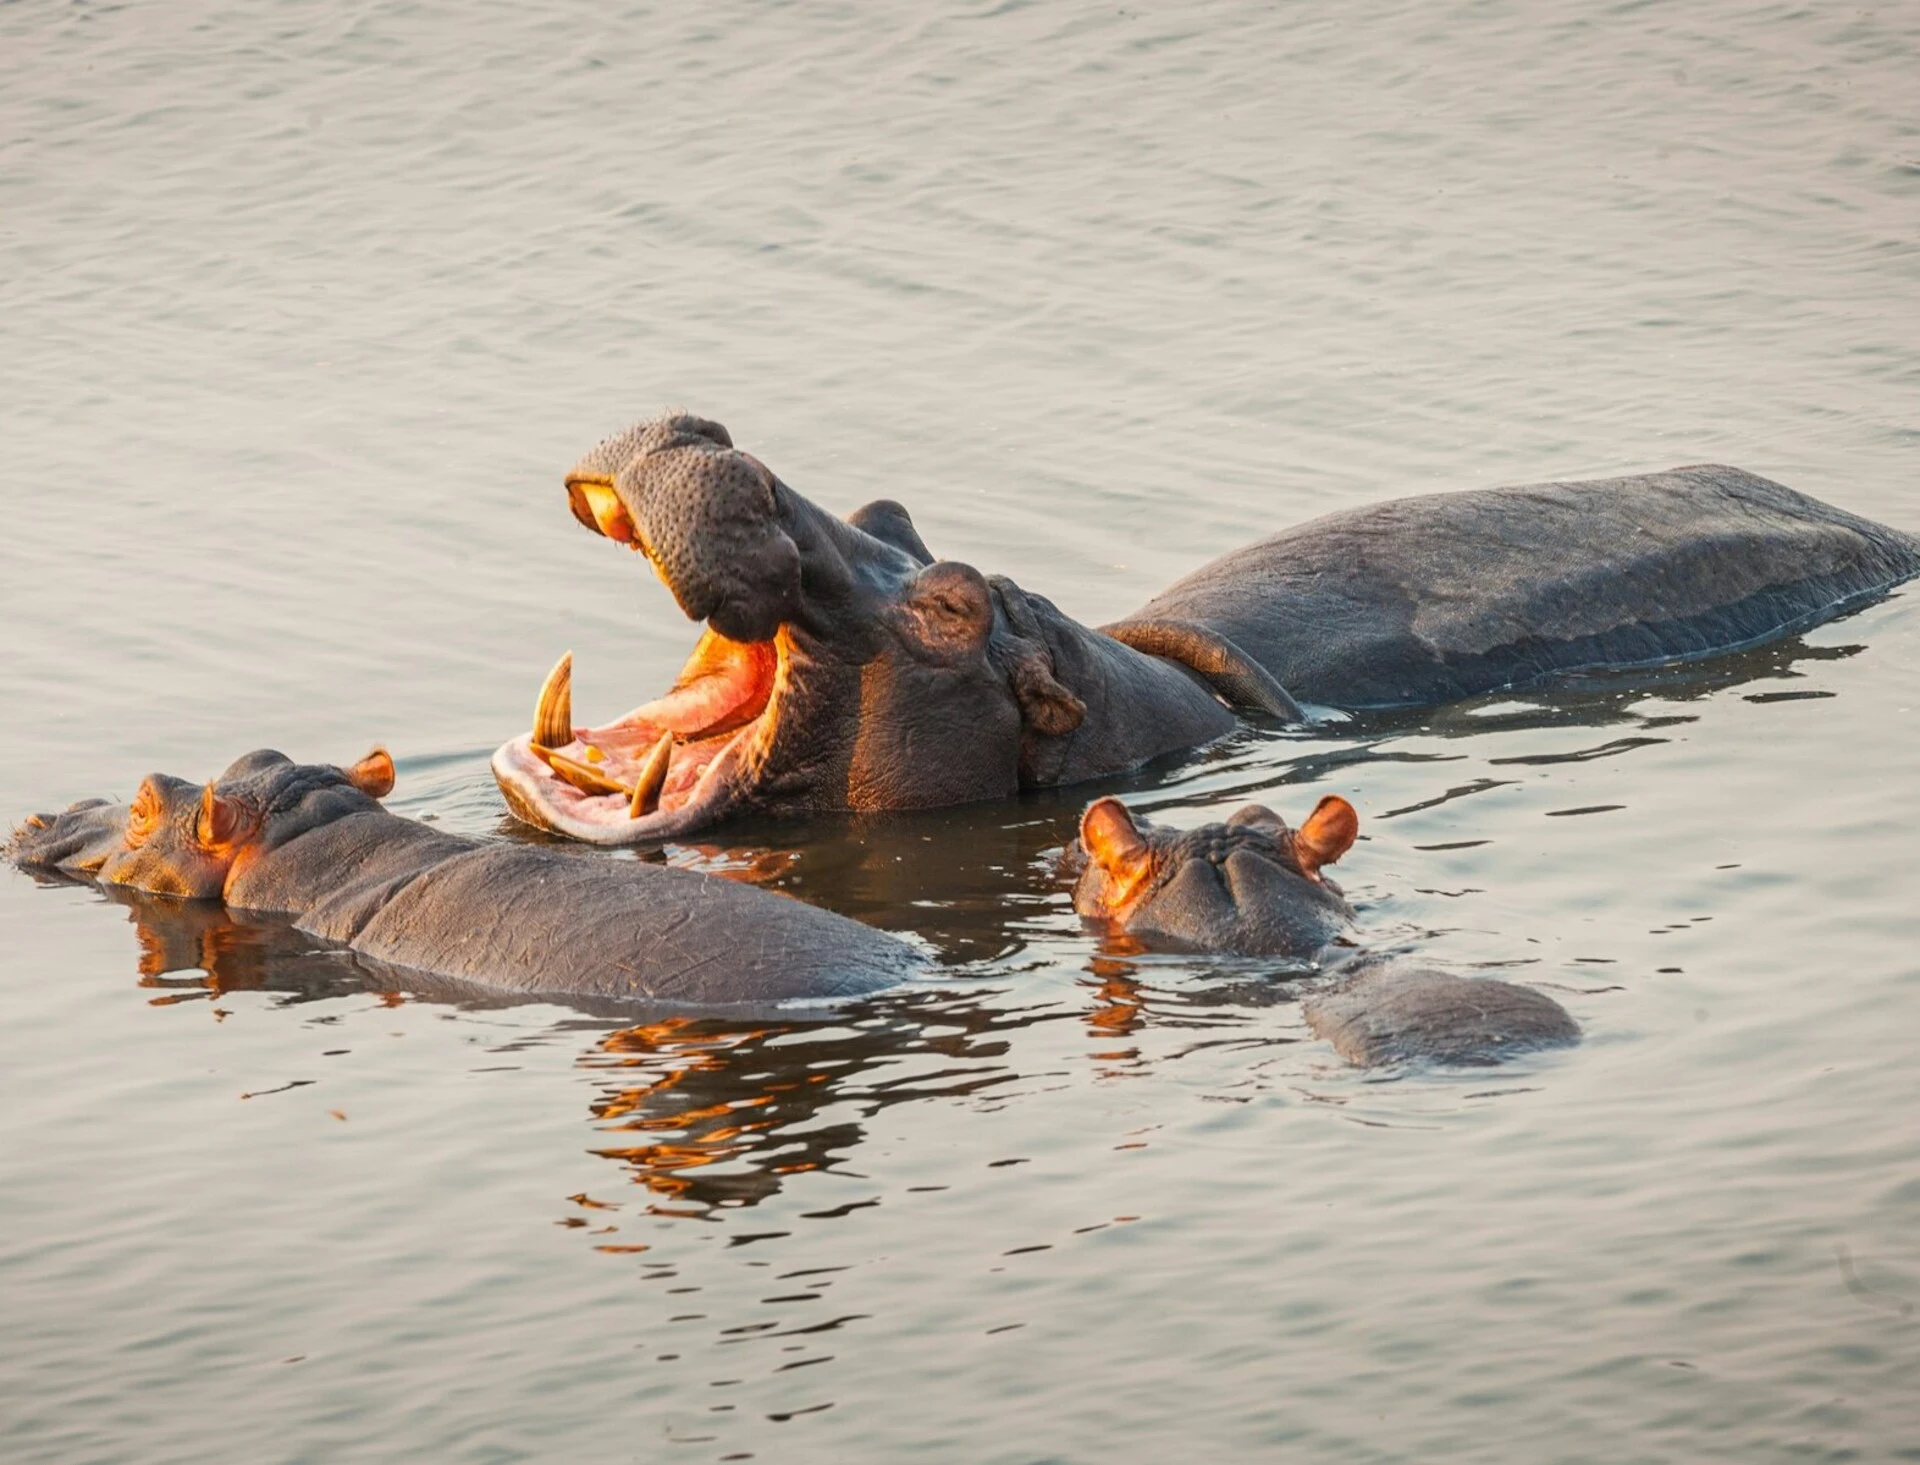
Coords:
704,1112
195,949
707,1114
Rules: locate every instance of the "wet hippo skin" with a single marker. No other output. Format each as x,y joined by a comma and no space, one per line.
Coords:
1424,600
1254,886
1400,1012
845,668
310,842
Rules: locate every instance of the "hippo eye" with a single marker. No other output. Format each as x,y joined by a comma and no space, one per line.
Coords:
143,818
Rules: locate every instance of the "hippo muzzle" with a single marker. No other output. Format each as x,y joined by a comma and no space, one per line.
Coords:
77,841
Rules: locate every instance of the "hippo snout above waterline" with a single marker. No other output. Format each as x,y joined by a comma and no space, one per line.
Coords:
310,843
1250,885
1253,887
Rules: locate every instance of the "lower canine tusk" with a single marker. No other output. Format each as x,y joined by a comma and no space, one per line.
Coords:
553,713
583,776
653,778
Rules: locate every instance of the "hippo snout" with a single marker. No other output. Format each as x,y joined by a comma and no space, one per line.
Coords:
80,839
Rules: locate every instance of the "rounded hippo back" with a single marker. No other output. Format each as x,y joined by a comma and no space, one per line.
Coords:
1423,600
525,919
1389,1012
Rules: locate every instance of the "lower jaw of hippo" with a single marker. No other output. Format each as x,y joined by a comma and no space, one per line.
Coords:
687,752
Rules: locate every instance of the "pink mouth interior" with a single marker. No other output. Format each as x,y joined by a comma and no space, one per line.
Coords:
722,696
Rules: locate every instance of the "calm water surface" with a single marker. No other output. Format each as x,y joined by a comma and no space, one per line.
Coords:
304,308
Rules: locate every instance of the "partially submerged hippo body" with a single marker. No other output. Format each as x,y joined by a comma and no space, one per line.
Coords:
1253,886
844,668
311,843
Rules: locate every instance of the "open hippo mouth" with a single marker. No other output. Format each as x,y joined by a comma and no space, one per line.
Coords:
717,528
842,668
763,716
671,765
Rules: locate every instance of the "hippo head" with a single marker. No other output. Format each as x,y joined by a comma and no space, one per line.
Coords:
1250,885
841,667
180,838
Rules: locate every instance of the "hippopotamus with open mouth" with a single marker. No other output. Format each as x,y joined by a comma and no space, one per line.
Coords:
310,843
844,668
1253,886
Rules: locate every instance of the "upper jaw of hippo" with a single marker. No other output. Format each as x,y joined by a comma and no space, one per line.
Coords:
690,755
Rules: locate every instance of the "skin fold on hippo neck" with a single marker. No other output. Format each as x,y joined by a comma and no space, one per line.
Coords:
842,668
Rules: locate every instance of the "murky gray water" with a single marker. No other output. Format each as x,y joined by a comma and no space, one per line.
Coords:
303,309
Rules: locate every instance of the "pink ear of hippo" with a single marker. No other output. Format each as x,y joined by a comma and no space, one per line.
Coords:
1108,832
373,774
1328,834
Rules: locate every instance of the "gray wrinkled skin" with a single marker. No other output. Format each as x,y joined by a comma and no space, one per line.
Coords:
917,682
504,917
1391,1012
1236,887
1423,600
1225,887
906,682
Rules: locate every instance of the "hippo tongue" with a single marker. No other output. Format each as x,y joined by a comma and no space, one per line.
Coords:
724,685
656,763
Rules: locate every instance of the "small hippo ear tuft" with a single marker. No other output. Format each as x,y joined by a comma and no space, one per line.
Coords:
1045,705
1111,837
220,820
373,774
1329,833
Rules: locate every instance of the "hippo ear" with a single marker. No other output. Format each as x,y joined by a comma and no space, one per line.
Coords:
1045,705
1328,834
221,819
373,774
1112,838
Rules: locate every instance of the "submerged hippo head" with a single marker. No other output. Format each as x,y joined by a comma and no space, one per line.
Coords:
842,666
180,838
1250,885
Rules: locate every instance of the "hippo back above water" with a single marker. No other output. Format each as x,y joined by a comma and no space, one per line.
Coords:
844,667
310,843
1423,600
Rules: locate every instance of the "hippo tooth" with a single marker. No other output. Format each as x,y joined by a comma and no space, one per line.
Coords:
553,713
583,776
653,778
